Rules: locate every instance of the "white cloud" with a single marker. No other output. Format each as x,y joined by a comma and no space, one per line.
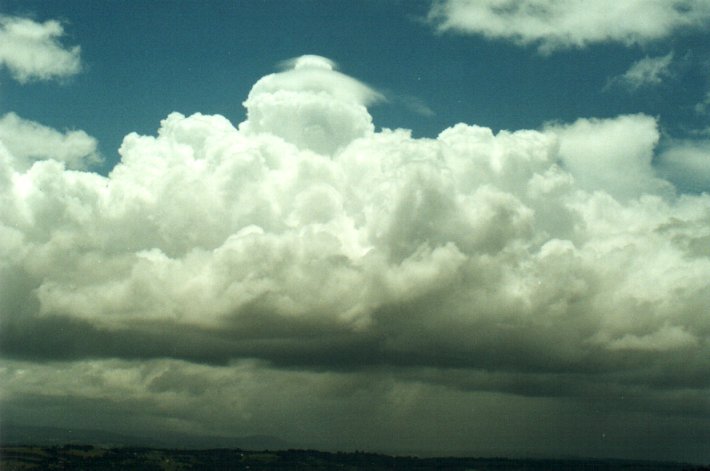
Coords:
560,24
613,155
29,141
704,106
416,105
206,221
647,72
518,262
31,50
311,105
666,338
687,164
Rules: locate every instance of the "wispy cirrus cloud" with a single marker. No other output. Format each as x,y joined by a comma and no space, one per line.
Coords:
646,72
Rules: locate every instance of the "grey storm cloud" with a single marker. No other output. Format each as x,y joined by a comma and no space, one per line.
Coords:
354,278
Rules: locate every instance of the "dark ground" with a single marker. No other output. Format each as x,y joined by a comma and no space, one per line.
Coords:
79,457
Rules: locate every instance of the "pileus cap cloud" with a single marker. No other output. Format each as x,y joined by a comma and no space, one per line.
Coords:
311,61
310,105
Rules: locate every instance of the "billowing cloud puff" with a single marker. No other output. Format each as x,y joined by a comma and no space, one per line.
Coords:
28,141
31,50
310,105
687,163
307,250
601,155
559,24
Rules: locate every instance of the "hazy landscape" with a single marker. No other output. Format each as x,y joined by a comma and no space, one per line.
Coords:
78,457
51,448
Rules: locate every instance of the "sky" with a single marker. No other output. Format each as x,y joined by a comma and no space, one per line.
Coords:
451,226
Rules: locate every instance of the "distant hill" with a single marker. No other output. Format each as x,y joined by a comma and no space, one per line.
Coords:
140,458
11,434
25,447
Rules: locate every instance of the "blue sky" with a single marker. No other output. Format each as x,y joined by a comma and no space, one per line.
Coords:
143,60
446,226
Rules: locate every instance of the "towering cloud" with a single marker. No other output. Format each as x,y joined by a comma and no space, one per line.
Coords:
310,105
303,251
613,155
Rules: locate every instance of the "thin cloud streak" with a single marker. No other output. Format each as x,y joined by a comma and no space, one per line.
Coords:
647,72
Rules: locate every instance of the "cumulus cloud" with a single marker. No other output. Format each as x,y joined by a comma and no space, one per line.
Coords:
687,164
613,155
560,24
31,50
647,72
703,106
28,141
303,254
310,105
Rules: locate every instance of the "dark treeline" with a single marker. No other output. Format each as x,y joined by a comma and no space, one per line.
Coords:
78,457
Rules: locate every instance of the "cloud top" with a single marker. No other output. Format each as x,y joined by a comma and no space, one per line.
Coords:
562,24
311,105
32,51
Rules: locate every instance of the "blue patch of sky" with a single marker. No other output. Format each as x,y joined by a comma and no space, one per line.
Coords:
145,59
